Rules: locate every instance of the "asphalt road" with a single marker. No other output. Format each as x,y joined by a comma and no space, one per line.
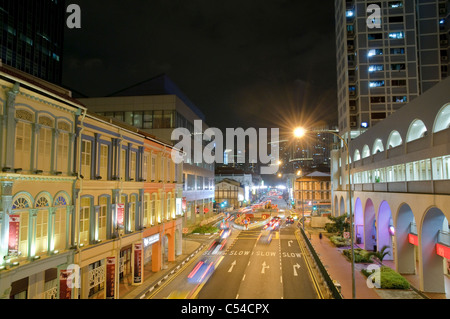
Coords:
252,269
248,268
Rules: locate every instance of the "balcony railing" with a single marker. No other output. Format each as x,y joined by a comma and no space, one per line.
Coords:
413,228
444,238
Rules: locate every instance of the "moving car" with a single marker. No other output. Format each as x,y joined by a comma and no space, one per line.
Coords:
201,272
289,220
266,236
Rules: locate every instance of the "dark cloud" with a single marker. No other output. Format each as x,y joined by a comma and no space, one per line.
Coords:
241,62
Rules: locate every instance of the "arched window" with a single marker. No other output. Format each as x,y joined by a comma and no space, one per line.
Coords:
85,212
45,142
62,152
132,213
169,205
18,226
102,214
153,204
357,156
394,140
416,130
41,240
147,210
442,121
59,234
365,151
377,146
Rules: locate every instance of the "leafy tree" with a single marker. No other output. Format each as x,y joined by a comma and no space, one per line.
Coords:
340,225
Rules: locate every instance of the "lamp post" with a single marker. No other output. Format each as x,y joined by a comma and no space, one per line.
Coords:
299,132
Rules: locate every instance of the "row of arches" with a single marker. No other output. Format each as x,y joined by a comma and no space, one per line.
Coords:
410,235
38,224
43,223
417,129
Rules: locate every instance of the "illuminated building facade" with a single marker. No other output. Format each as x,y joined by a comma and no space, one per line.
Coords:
400,182
82,196
387,58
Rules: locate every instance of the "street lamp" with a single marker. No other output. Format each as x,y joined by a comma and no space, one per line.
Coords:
300,132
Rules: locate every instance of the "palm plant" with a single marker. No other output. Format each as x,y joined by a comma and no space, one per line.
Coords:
379,254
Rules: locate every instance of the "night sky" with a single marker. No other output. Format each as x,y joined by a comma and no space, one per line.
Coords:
243,63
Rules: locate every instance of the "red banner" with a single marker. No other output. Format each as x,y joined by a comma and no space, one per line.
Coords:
413,239
137,272
14,228
110,277
65,292
120,214
443,251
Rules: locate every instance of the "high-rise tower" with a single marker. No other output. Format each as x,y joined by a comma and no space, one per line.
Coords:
388,53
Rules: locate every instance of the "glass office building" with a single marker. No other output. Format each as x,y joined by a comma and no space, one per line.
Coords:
31,37
387,57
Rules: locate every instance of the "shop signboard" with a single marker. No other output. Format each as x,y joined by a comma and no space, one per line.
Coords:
120,214
65,289
443,251
110,277
14,227
138,264
413,239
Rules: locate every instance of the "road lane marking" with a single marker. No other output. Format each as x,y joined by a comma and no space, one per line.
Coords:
296,266
232,266
162,285
264,267
308,266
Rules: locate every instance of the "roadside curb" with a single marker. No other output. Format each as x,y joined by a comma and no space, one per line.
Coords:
164,278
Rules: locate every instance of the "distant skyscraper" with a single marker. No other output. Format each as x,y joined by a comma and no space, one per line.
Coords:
309,153
381,68
31,36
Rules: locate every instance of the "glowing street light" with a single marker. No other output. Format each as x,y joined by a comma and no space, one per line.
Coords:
299,132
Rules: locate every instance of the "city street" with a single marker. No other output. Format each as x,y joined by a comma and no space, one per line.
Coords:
248,268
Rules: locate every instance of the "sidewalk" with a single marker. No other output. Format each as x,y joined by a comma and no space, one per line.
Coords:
153,279
340,269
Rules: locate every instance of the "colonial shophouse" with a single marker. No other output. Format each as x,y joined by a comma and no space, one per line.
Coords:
87,201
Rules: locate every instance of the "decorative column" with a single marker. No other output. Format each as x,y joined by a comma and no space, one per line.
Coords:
11,125
34,142
32,233
55,159
51,230
4,217
69,240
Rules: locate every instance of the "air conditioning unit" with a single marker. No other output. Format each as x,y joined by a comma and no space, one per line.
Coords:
442,11
352,93
353,124
444,58
350,47
444,42
352,108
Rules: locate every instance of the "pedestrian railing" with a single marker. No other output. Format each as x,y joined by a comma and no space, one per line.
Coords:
335,293
413,228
